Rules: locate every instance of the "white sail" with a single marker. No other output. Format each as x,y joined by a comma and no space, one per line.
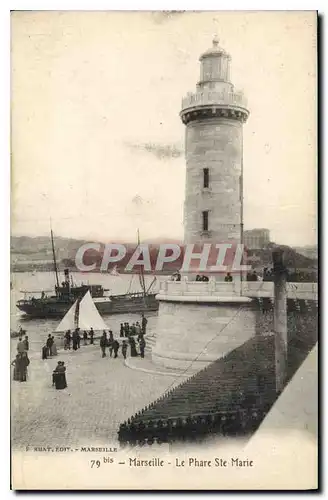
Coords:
88,317
67,323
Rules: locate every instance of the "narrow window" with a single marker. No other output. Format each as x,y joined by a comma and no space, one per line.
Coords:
205,220
206,179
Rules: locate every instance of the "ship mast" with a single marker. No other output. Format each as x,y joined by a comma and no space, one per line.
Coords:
141,274
77,313
54,255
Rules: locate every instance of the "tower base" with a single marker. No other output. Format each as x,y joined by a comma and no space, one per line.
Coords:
195,331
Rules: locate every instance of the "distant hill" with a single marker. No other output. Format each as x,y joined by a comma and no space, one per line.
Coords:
293,260
310,251
39,248
36,253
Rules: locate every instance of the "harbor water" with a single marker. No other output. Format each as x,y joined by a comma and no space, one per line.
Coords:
303,325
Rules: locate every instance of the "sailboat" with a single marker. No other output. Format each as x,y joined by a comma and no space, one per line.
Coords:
136,302
84,315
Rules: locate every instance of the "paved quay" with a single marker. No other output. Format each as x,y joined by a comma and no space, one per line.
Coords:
101,393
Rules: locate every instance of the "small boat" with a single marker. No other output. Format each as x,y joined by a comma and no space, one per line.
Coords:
84,315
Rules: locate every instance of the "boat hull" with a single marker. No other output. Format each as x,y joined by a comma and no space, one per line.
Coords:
117,305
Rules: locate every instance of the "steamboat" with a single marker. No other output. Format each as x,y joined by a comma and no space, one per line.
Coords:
41,305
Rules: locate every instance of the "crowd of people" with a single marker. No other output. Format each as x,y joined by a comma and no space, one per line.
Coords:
132,338
137,346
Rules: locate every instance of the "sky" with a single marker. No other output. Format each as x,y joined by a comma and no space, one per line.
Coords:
97,143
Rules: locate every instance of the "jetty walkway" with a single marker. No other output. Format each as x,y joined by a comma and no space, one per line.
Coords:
101,393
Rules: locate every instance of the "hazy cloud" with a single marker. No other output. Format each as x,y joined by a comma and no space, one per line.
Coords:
161,151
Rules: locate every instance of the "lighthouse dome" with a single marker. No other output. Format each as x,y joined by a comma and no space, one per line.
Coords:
215,51
215,68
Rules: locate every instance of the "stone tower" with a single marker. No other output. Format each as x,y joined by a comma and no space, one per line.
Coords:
199,322
214,117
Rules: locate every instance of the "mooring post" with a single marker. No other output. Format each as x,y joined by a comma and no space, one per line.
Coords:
280,318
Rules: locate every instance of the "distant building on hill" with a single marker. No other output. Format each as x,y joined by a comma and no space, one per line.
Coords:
256,238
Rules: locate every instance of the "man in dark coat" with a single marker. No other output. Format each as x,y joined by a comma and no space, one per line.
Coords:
103,344
49,344
45,351
142,345
121,330
59,376
67,340
144,322
91,335
116,347
133,347
110,343
78,338
23,363
26,342
124,348
74,339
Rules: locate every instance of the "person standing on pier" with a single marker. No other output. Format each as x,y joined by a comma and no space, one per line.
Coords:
15,364
138,328
144,322
49,344
133,347
78,338
142,345
59,376
20,346
110,343
23,363
116,347
74,339
67,341
26,343
53,347
103,344
45,352
91,335
85,337
124,348
121,330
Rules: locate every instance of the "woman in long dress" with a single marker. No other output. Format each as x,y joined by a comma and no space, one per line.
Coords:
53,348
59,376
23,363
15,364
133,349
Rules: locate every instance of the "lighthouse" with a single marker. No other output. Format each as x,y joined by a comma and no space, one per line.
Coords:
199,322
214,116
